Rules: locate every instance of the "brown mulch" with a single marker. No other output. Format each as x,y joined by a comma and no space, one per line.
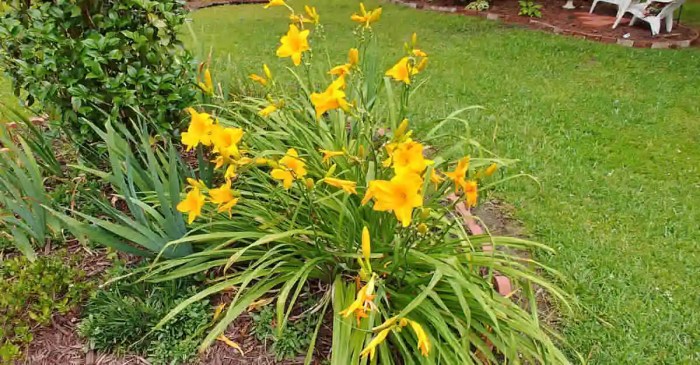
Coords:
59,343
578,20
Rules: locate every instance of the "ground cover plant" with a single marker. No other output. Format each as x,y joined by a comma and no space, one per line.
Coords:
30,293
120,319
559,105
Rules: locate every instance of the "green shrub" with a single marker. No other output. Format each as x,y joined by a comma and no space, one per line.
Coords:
121,318
30,293
529,8
82,59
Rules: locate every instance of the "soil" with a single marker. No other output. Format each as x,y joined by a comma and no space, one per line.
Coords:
596,26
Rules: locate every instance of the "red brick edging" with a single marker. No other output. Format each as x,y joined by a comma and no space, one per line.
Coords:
538,24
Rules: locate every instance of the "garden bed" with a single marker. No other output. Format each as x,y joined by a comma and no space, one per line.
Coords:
575,22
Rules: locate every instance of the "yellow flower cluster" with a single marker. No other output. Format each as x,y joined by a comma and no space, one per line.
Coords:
409,65
224,141
366,18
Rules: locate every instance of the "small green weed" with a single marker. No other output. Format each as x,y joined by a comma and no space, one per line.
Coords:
121,318
295,338
30,293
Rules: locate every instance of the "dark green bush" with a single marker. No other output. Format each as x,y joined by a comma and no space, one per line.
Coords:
82,59
30,293
121,318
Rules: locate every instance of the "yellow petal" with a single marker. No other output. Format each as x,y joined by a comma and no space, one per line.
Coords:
230,343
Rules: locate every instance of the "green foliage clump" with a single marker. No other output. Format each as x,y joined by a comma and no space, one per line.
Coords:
82,59
478,5
30,293
529,8
295,338
23,195
122,318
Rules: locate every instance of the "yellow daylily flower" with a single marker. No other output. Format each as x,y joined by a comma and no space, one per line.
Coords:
371,347
223,197
459,174
284,175
366,18
272,3
401,195
292,161
471,192
407,157
332,98
199,130
225,140
347,185
291,167
298,19
402,71
193,203
294,43
423,340
341,70
312,14
327,155
363,303
418,53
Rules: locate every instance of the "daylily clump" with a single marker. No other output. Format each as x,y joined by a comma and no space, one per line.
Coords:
316,150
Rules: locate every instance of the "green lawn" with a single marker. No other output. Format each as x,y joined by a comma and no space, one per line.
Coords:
691,13
612,133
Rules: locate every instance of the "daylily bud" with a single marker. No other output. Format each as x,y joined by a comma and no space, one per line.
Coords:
425,213
401,130
309,183
491,169
353,56
267,71
331,170
361,151
422,228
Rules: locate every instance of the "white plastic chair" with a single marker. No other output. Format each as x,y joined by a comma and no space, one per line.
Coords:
666,14
622,6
